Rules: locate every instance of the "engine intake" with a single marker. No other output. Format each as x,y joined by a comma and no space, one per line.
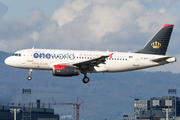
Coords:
64,70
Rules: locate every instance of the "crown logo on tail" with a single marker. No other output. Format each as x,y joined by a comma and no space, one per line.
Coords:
156,45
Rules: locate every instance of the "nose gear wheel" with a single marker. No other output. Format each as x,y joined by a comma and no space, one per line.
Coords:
29,78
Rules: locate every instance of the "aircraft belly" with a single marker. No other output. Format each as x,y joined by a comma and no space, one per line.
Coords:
118,66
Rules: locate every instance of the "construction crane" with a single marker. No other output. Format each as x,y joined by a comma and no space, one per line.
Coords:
79,103
50,98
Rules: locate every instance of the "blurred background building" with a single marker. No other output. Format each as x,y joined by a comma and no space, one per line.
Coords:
37,112
157,108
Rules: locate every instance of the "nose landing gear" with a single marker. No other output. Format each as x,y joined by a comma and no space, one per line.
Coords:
30,73
29,78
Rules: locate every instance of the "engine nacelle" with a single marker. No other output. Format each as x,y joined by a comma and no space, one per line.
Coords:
64,70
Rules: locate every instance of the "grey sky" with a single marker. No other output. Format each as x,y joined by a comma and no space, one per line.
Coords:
22,8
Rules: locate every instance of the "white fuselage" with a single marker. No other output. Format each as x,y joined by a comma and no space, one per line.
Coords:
45,59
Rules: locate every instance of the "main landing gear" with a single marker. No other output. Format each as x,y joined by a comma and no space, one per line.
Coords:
85,79
30,73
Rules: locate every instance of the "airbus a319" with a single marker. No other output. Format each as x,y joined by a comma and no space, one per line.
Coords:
66,63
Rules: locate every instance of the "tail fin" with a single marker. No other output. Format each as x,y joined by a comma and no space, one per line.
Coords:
159,43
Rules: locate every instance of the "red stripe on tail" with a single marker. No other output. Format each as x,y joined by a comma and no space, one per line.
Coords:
166,25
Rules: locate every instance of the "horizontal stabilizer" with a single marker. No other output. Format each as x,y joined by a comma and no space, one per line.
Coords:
160,59
165,59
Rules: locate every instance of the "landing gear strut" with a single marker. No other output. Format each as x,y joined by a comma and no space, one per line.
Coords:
30,73
85,79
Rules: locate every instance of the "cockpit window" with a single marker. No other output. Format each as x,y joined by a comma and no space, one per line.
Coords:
17,54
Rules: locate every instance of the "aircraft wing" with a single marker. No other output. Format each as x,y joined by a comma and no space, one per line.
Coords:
92,62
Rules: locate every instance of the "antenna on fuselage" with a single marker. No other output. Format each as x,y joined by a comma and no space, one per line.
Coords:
33,47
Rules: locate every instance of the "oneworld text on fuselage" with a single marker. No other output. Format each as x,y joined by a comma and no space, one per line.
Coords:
54,56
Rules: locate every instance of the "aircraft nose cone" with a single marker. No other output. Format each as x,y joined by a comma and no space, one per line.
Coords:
7,61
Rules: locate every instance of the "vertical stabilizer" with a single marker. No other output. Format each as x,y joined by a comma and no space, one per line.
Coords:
159,43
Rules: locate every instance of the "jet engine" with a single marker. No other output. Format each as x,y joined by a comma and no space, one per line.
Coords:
64,70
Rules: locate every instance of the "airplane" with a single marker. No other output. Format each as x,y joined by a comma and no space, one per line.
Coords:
67,63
